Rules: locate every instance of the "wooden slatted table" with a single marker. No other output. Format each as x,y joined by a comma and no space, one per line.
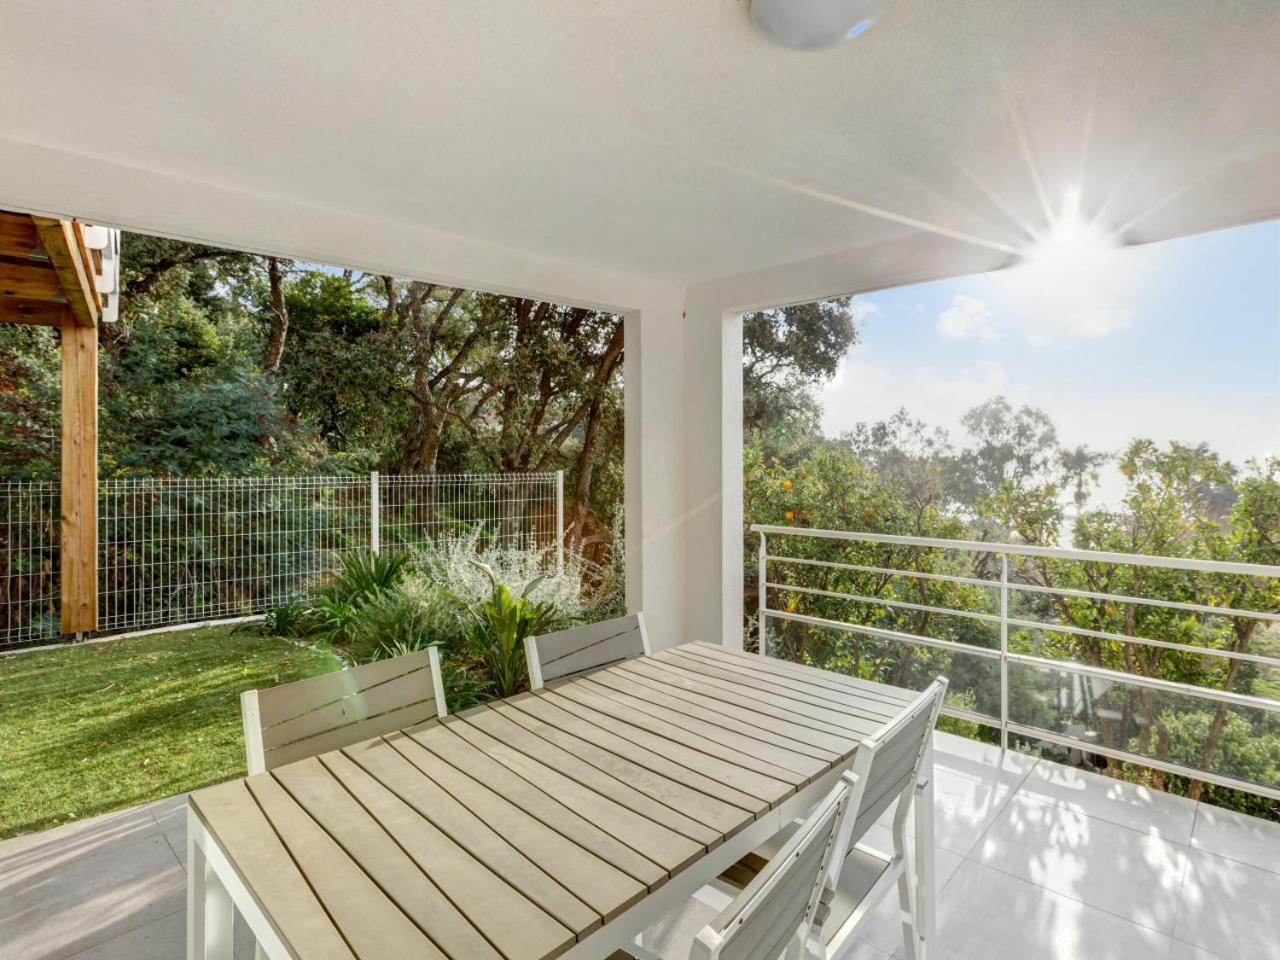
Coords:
557,824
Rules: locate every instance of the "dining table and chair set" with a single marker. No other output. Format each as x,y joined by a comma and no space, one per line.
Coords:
626,786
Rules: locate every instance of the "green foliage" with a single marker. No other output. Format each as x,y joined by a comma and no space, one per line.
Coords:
787,352
465,686
289,619
498,626
363,575
408,616
331,619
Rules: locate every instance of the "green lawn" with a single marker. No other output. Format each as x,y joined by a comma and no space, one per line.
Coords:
88,729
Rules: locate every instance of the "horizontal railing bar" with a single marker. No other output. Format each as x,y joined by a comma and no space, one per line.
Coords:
1066,666
1144,641
1053,553
884,634
1146,601
1074,743
1155,683
914,574
876,601
962,714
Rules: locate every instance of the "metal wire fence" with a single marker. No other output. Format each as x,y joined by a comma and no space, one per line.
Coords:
181,551
29,539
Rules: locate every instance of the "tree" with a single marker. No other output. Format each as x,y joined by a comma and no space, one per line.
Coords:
787,352
1019,446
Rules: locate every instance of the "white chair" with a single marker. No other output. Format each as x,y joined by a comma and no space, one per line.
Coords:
307,717
889,766
569,653
774,915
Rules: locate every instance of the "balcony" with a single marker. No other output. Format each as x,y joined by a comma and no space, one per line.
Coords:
1034,859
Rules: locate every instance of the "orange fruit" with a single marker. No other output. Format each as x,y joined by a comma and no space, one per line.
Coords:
786,484
789,516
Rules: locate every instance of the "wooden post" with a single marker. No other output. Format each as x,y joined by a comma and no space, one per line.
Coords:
79,559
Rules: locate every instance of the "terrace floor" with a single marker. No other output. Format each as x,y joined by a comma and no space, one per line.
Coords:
1034,860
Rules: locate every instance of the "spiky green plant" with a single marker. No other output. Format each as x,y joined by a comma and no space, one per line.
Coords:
498,625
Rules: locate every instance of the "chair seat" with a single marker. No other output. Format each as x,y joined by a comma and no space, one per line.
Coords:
860,872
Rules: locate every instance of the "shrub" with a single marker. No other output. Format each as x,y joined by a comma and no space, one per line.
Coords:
450,564
330,619
464,686
363,576
287,620
499,625
409,617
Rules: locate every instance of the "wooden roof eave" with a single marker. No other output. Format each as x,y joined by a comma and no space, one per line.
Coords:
46,272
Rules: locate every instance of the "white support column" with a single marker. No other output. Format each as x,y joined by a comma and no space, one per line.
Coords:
713,472
656,524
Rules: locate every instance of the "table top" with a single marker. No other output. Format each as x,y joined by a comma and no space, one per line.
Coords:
515,829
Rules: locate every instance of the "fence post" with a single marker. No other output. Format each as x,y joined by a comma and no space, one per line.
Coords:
559,523
762,635
375,514
1004,651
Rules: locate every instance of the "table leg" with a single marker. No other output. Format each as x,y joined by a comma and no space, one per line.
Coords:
926,890
210,913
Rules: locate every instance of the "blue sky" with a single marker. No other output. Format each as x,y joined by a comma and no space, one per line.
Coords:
1177,340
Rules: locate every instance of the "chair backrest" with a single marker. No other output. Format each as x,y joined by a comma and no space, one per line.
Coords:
776,909
555,656
887,764
307,717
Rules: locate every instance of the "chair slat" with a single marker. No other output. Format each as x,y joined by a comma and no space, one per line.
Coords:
392,722
556,656
408,688
278,704
296,720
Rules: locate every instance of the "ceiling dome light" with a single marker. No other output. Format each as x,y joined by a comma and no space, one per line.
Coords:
814,24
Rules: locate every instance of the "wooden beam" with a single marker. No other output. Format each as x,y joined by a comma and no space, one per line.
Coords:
79,560
29,280
43,313
66,254
18,236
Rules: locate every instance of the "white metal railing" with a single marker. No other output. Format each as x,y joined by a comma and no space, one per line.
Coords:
189,550
1018,611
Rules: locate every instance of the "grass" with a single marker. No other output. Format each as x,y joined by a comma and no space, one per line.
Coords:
89,729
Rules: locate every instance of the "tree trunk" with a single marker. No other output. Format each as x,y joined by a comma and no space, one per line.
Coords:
280,318
389,311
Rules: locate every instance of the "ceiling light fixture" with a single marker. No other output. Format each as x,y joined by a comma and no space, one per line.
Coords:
814,24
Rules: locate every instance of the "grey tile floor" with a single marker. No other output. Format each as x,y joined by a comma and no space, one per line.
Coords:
1034,860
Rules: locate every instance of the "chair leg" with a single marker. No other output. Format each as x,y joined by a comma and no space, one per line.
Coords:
909,912
926,886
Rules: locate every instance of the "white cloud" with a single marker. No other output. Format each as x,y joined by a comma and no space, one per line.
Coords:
968,318
861,309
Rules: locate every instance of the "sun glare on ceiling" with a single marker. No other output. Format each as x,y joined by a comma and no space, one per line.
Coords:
1071,243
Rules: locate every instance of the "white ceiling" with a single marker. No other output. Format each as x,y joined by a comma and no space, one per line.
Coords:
665,138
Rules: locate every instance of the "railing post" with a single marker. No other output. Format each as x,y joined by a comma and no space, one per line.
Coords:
763,590
1004,651
375,513
559,523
